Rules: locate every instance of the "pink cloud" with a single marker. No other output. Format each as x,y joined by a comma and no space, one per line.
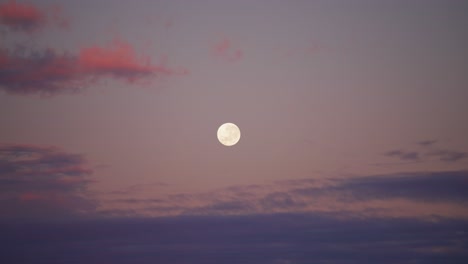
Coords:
49,72
119,60
222,47
225,50
22,17
30,18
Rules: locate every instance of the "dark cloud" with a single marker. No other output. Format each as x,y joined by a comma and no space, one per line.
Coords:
280,200
228,206
49,72
266,239
449,155
403,155
29,18
447,186
441,155
222,208
42,181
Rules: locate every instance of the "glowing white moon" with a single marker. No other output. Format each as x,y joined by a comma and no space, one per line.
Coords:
228,134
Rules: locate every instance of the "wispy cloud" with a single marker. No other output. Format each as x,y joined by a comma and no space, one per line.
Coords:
25,17
429,153
403,155
449,155
281,200
42,181
400,194
48,72
427,143
446,186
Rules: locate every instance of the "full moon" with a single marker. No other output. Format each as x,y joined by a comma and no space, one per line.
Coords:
228,134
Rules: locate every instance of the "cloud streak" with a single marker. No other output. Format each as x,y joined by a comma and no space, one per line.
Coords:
426,187
449,155
443,155
403,155
427,143
48,72
420,195
42,181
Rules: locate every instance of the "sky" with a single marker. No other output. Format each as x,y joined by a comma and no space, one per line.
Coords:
353,116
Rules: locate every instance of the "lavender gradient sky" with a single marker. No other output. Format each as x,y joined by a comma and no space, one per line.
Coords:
353,117
321,90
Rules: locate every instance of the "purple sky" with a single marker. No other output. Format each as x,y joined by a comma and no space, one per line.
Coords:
347,109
